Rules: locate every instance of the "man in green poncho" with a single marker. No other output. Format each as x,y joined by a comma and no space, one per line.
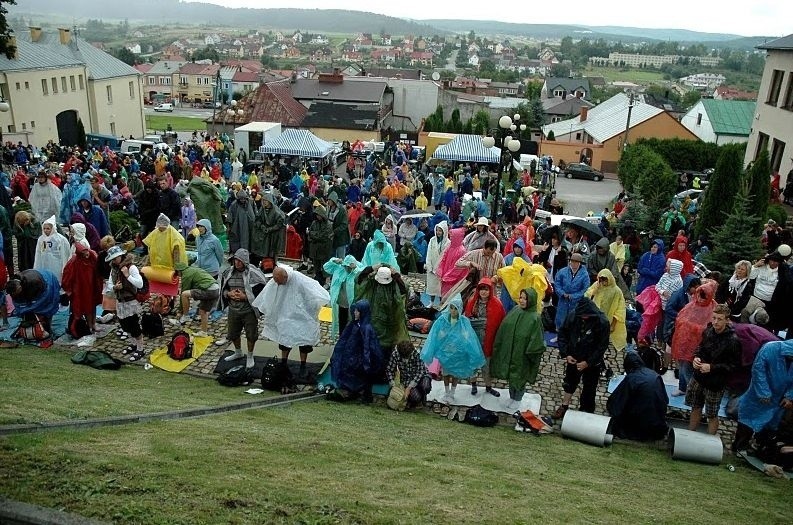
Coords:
269,229
519,347
208,203
385,290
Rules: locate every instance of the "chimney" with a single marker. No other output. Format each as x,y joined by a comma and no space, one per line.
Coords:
12,46
584,113
35,33
65,36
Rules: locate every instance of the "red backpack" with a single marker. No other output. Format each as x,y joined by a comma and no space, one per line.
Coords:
180,347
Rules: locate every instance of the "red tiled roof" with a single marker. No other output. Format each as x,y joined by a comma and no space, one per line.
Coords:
143,68
245,76
191,68
273,102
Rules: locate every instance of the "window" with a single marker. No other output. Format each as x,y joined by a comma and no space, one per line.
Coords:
558,93
699,119
183,80
578,136
63,84
165,81
109,90
24,126
777,151
72,84
762,144
54,82
12,128
112,128
80,78
787,102
44,88
18,86
151,80
132,90
27,85
775,87
32,124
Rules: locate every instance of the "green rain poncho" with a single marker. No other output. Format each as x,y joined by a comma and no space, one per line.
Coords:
388,310
519,345
208,203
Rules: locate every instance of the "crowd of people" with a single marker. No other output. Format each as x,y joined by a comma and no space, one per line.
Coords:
493,287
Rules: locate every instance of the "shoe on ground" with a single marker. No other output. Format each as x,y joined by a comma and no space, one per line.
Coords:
560,412
678,393
184,319
249,362
493,392
104,319
221,342
474,390
234,356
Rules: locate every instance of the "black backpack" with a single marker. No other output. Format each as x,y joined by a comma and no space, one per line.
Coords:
651,357
78,326
180,347
151,325
480,417
238,375
277,376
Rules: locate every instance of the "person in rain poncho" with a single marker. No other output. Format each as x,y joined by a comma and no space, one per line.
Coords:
454,343
521,275
342,289
208,248
45,197
385,290
448,273
379,251
485,312
569,286
240,219
357,360
188,219
83,285
687,334
27,230
52,250
608,297
408,257
290,305
638,405
166,245
435,248
389,229
651,266
269,229
407,231
518,346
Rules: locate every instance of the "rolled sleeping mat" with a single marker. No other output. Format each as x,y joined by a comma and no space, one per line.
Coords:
589,428
160,274
688,445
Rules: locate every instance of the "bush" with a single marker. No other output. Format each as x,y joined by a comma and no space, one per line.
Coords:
119,219
683,154
778,213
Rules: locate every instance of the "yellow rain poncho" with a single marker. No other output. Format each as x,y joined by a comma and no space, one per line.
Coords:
521,275
161,247
609,299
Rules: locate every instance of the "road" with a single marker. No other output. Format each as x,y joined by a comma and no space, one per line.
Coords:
181,112
582,196
451,62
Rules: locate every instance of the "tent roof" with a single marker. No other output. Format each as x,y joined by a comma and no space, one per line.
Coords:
468,148
297,143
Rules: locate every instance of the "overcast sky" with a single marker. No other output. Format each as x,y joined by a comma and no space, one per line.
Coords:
748,18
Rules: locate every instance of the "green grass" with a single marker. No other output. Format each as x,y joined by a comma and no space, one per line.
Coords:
612,74
43,385
160,122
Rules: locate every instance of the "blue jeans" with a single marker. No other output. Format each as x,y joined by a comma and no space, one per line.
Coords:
686,370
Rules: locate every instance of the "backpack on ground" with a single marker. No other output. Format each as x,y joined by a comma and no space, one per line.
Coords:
96,359
151,325
528,421
238,375
180,347
161,304
651,357
479,416
143,293
32,328
78,326
277,376
267,264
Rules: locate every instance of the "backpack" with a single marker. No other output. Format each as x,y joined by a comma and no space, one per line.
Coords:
180,347
651,357
267,264
143,293
160,304
31,328
419,325
479,416
78,327
528,421
96,359
277,376
238,375
151,325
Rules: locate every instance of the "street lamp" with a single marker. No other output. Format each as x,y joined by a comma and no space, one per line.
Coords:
504,140
232,112
4,107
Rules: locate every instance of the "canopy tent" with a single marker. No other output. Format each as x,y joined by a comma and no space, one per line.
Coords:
467,148
298,143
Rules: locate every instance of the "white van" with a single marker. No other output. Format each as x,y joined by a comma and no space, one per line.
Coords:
136,146
167,107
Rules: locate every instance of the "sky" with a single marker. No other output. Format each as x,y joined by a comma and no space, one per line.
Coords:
752,18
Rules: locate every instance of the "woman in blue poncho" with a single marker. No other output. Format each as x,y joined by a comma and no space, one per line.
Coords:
454,343
357,360
342,289
380,251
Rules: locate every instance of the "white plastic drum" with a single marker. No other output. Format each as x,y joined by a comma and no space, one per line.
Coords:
696,446
589,428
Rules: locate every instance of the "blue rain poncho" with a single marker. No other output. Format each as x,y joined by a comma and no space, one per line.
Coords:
342,277
454,343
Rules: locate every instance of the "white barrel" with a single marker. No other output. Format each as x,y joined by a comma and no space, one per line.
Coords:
696,446
589,428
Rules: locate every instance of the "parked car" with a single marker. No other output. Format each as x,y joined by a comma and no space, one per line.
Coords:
582,171
164,107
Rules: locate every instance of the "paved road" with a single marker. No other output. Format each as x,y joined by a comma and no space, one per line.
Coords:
181,112
581,196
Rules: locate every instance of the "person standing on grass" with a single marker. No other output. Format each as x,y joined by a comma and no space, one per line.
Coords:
197,284
126,280
717,356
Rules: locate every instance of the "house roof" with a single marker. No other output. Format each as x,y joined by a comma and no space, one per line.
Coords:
730,93
568,84
165,67
194,68
408,74
606,120
564,107
784,43
246,76
49,53
347,91
273,102
342,116
143,68
730,117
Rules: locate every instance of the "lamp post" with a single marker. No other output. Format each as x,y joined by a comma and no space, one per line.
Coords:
232,112
503,139
4,107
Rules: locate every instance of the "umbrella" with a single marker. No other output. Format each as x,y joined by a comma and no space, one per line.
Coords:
547,233
592,230
415,214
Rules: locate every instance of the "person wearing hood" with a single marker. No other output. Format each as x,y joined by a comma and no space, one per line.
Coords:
670,281
52,250
27,231
407,231
454,343
638,405
448,271
125,281
343,274
290,304
240,220
357,246
715,359
379,251
357,361
269,229
603,259
337,215
421,202
486,313
569,286
606,296
187,222
477,238
408,257
85,231
165,244
517,251
240,285
435,249
45,197
35,292
651,266
95,216
83,285
385,290
148,208
367,223
208,248
687,333
320,241
583,340
680,252
389,229
676,302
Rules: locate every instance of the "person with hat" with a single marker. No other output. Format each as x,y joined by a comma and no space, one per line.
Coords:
570,284
45,197
197,284
290,305
125,281
476,239
239,286
166,245
383,287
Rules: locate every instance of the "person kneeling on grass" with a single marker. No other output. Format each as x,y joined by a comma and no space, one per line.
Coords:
357,359
413,373
199,285
125,281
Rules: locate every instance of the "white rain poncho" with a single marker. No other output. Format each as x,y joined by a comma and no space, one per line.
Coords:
45,200
291,310
52,251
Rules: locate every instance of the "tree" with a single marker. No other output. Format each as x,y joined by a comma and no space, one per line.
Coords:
267,61
533,89
551,137
691,98
6,47
481,122
536,113
759,180
455,125
125,55
207,53
723,186
736,238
